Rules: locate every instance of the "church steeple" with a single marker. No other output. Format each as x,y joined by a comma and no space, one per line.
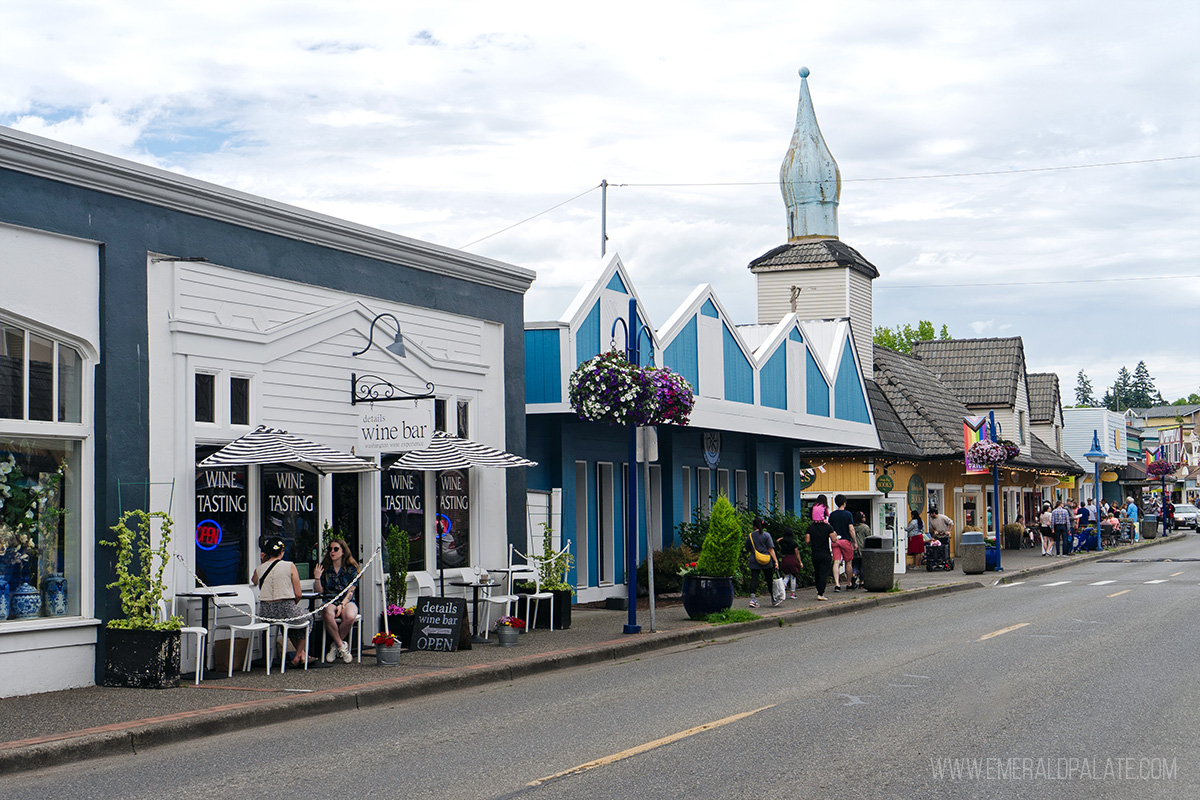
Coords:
809,177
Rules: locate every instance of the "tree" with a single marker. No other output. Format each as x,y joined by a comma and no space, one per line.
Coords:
1117,397
902,337
1142,393
1192,399
1084,396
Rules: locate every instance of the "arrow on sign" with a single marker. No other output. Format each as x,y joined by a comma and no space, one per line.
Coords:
428,630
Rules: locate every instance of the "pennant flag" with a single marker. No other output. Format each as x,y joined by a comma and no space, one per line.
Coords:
1153,455
974,430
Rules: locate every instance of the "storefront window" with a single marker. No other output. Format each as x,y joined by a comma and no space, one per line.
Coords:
41,378
70,384
42,551
290,511
12,373
221,523
345,512
454,518
402,497
205,401
239,401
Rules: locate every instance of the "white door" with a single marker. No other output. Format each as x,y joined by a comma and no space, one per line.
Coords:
887,525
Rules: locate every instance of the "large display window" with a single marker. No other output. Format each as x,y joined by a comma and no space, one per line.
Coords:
290,511
453,488
221,523
402,494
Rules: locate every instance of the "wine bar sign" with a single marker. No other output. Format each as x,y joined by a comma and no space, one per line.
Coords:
395,428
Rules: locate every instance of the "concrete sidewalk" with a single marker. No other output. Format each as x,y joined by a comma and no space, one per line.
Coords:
59,727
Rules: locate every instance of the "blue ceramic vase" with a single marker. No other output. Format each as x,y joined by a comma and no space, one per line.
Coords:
54,593
3,597
25,603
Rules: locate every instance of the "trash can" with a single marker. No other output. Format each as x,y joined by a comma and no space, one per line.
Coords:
1148,528
971,555
878,570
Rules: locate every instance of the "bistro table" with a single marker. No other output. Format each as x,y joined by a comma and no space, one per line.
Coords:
315,659
475,587
205,595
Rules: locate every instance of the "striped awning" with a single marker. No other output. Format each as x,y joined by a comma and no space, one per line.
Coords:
451,452
273,446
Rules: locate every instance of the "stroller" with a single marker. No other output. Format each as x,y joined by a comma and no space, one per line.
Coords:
937,554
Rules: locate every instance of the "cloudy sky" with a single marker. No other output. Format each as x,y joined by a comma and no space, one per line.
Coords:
1012,168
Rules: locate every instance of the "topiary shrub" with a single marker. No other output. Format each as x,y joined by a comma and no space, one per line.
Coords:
723,544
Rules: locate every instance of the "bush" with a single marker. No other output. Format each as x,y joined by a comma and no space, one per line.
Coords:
667,563
691,534
723,544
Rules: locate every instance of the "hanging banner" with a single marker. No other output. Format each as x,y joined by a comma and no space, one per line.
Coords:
974,430
395,428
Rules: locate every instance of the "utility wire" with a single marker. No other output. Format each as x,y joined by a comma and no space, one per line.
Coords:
1030,283
535,216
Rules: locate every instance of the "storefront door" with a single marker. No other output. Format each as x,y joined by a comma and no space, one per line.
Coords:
887,525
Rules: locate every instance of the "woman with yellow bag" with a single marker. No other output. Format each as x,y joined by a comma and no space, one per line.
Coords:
763,560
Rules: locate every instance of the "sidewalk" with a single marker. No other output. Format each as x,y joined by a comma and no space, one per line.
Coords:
47,729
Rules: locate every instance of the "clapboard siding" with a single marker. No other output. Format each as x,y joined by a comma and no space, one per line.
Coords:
543,381
822,295
739,375
861,320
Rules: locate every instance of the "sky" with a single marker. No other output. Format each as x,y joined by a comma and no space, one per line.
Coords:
1012,168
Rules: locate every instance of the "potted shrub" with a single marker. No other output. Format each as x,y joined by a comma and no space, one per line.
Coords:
141,651
552,569
1012,536
399,618
708,586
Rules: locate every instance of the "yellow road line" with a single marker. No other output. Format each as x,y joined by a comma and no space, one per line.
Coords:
1002,631
1118,594
1173,574
642,748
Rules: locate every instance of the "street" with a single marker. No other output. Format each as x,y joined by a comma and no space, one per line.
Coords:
1080,683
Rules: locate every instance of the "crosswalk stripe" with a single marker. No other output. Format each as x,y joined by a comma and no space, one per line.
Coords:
1014,583
1056,583
1101,583
1160,580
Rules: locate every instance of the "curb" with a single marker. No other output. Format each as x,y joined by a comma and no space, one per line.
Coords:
138,735
1096,556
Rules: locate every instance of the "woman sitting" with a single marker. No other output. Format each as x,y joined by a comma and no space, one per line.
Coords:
335,573
279,589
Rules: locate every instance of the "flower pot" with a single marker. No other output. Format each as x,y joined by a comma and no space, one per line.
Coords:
990,559
703,595
141,659
506,635
387,656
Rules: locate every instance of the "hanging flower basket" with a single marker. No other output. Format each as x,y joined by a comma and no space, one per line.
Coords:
987,454
1160,469
1011,448
608,388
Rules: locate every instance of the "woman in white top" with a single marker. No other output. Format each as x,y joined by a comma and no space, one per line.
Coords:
279,589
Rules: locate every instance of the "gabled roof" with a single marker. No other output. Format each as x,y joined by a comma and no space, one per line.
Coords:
929,410
1044,398
980,372
894,438
813,254
1165,411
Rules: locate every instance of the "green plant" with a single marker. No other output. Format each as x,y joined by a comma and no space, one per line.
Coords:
722,548
552,565
141,592
691,534
667,565
731,615
397,550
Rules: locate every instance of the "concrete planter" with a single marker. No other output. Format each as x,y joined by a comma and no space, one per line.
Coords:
141,659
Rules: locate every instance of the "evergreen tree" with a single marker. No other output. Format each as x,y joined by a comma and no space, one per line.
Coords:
1117,397
1084,396
1142,393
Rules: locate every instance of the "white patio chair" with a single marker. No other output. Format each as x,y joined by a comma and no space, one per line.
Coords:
197,631
246,600
533,600
355,628
506,599
299,624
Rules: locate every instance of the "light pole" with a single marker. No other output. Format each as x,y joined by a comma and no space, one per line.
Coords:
633,334
1097,457
995,492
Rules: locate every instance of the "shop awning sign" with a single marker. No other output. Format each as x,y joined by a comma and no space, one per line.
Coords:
395,428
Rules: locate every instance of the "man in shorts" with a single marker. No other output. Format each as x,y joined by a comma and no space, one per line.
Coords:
845,545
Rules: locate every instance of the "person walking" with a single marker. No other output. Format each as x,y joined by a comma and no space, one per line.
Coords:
819,537
1168,517
790,563
861,531
1131,514
820,512
760,542
1060,521
1046,530
842,522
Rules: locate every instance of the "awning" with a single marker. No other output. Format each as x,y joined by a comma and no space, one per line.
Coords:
451,452
273,446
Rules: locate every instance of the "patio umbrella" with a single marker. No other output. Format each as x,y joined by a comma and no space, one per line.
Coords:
451,452
273,446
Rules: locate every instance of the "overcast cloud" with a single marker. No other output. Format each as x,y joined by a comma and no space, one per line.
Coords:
449,122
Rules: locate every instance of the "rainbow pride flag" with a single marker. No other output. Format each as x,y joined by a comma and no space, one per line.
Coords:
974,430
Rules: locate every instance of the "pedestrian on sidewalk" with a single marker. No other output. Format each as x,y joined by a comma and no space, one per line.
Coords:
790,563
1046,530
819,537
820,512
844,546
1060,520
861,531
278,584
761,542
335,572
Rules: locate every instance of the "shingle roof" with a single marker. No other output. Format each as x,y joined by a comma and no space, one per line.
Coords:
1166,411
1044,398
894,438
929,410
980,372
813,254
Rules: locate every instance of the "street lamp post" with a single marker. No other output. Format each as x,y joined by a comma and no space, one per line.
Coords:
633,334
1097,457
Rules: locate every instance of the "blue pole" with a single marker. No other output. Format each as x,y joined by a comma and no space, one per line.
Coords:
632,332
996,494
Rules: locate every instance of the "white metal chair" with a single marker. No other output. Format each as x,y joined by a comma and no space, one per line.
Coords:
533,600
355,628
197,631
298,624
508,599
247,600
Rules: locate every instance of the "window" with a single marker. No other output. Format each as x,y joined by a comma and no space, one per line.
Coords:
44,384
723,482
239,401
403,501
689,509
605,522
704,489
222,528
739,482
453,487
439,414
464,416
780,501
1021,425
205,397
290,511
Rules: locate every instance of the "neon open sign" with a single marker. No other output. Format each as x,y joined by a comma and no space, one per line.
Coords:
208,535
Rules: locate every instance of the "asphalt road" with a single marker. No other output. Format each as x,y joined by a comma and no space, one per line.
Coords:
1079,684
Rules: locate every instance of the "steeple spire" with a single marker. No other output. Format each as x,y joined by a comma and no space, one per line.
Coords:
809,176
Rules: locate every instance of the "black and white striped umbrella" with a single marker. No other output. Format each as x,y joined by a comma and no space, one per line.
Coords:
273,446
451,452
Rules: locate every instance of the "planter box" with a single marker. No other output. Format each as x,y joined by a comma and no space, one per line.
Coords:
140,659
402,626
562,610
